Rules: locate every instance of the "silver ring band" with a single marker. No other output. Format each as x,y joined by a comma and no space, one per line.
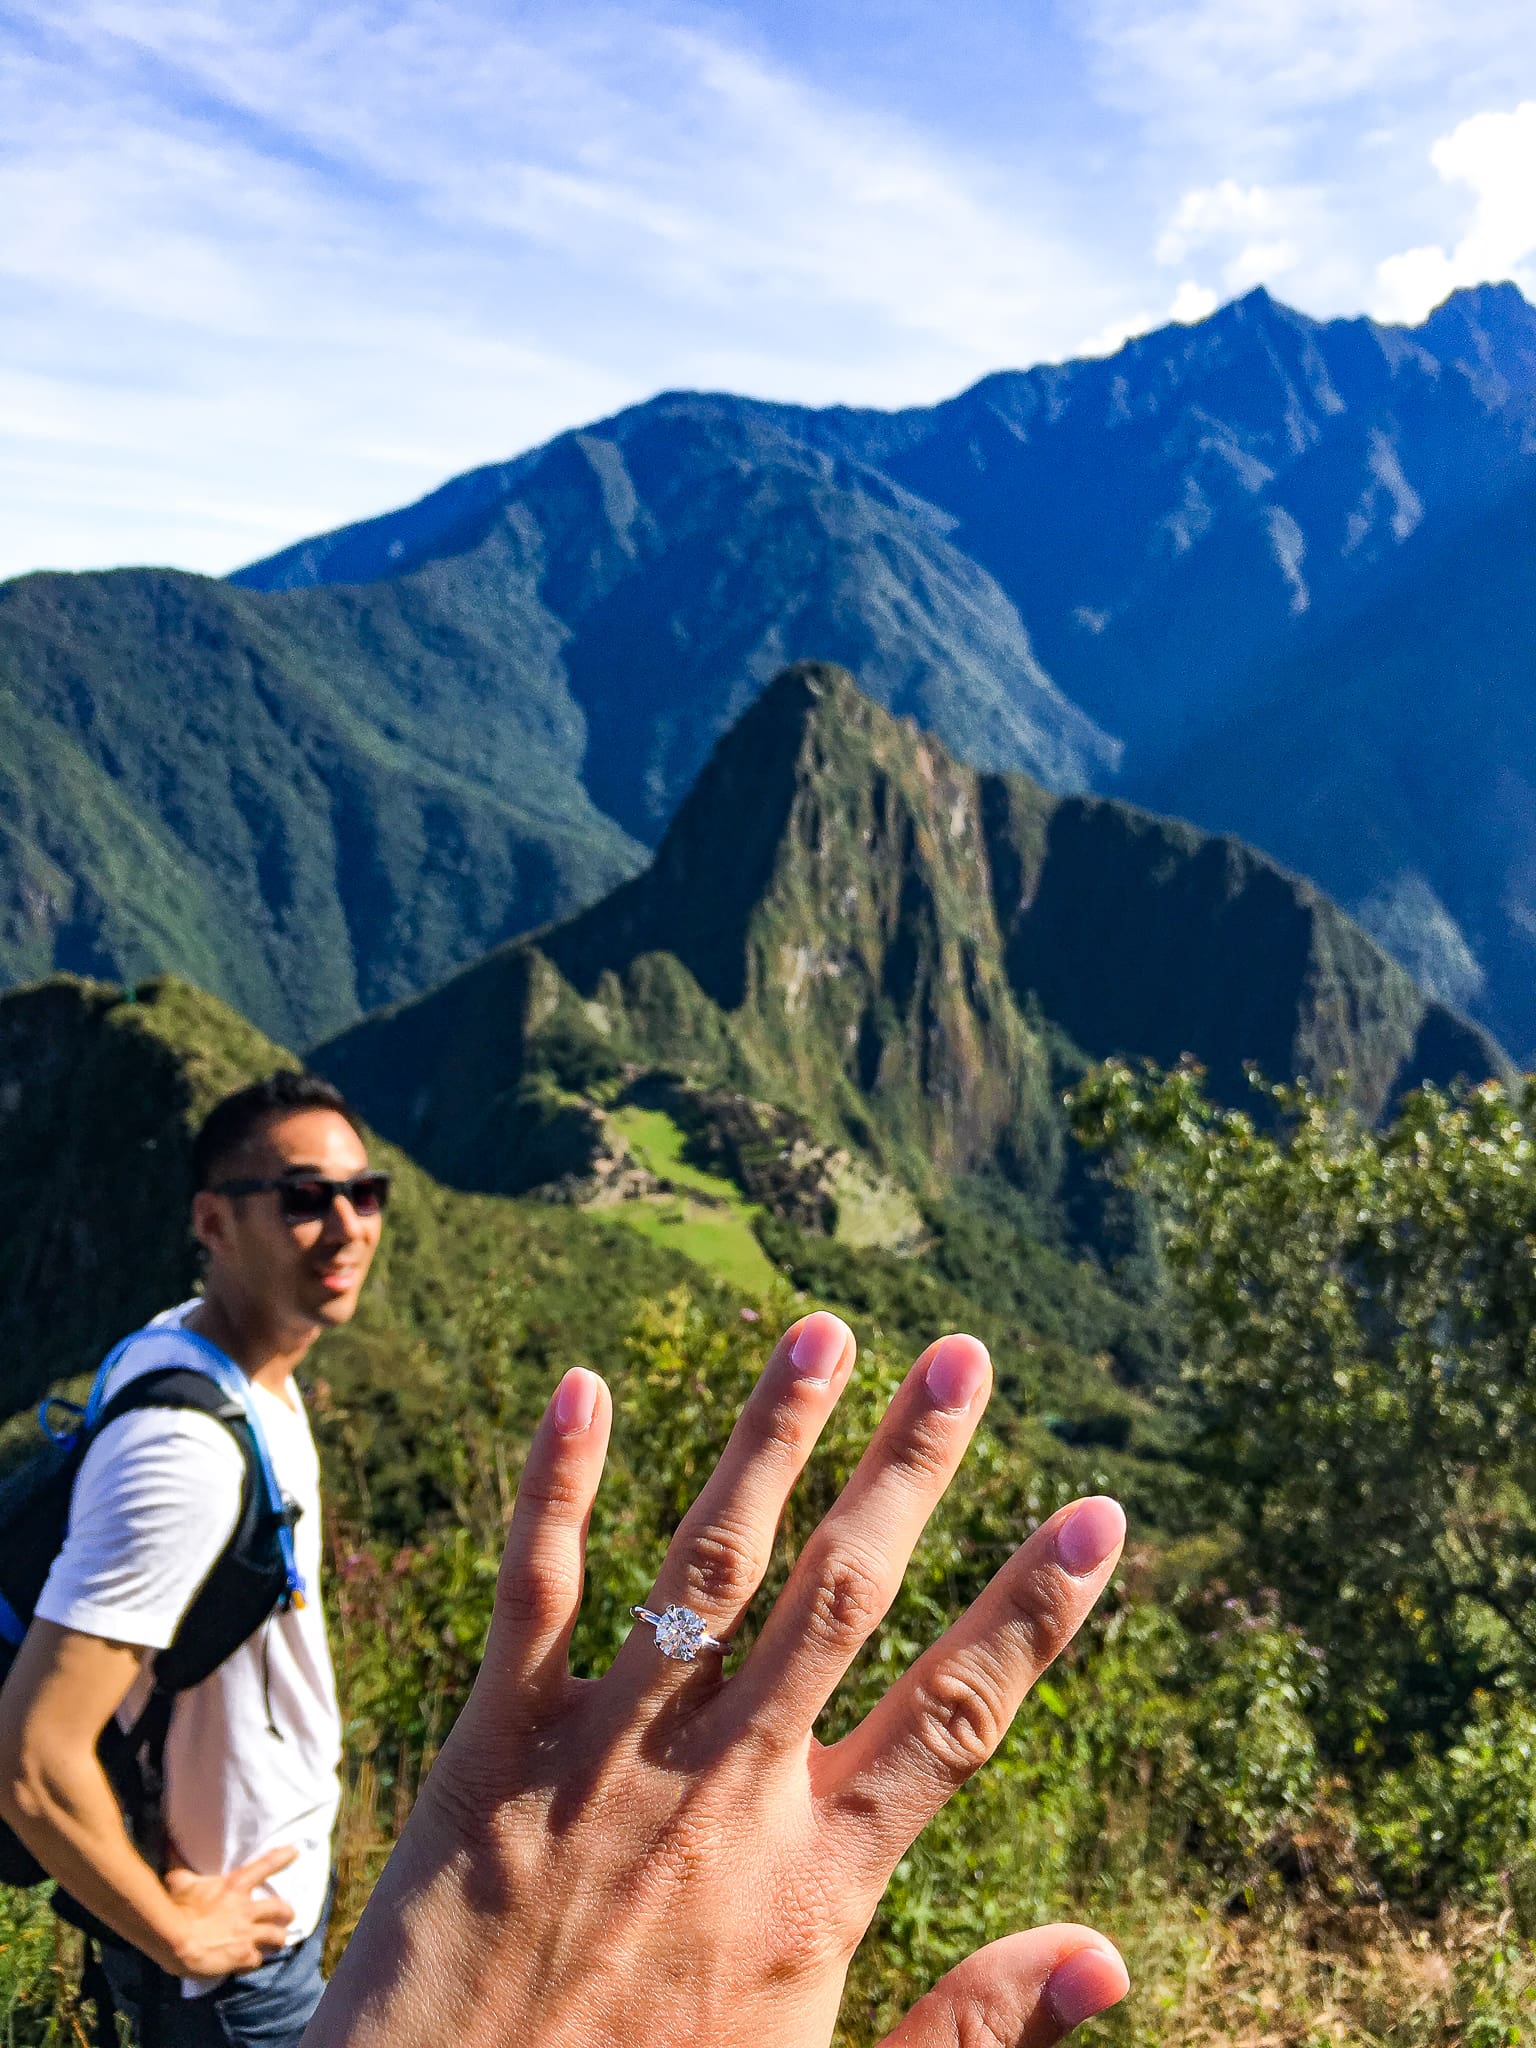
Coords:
680,1633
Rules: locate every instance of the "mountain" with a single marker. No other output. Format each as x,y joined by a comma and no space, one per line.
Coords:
1489,331
683,552
1139,532
909,953
100,1093
333,781
1176,520
308,805
1184,531
476,1304
1396,764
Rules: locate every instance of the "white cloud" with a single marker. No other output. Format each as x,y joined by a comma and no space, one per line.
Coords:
1216,213
264,268
1259,263
275,257
1248,78
1253,231
1493,155
1237,225
577,144
1294,139
1190,302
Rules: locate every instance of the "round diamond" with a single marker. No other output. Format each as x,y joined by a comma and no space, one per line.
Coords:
679,1634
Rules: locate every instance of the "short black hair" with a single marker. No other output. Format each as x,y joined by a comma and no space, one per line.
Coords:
231,1123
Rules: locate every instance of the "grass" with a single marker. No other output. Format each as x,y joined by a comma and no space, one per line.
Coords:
707,1219
658,1142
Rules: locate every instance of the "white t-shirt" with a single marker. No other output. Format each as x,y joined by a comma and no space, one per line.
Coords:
154,1504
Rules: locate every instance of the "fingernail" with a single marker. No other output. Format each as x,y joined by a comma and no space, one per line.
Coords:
1089,1982
1094,1530
957,1372
576,1401
819,1345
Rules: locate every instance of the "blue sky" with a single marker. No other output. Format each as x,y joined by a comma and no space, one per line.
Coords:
266,267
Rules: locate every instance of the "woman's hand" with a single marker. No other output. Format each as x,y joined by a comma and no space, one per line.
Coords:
668,1858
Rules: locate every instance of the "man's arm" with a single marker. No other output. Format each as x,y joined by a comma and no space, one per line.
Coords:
60,1694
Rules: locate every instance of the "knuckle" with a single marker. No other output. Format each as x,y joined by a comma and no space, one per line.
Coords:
554,1492
921,1456
984,2020
774,1426
848,1600
961,1720
1038,1614
725,1565
535,1600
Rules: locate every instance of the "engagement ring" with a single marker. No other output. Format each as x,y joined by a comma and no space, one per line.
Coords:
680,1633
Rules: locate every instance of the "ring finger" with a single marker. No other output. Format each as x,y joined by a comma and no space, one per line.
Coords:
717,1559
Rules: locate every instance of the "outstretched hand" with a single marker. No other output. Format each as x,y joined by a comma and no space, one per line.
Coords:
666,1856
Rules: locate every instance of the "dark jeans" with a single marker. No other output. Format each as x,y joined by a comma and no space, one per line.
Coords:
265,2008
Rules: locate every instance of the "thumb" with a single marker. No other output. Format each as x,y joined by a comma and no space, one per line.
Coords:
261,1867
1028,1990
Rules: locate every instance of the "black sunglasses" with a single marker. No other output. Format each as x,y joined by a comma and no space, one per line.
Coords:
304,1197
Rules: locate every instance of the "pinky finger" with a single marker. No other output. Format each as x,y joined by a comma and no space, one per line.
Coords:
538,1590
1027,1990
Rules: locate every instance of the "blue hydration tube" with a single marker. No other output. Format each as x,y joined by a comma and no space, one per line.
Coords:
228,1377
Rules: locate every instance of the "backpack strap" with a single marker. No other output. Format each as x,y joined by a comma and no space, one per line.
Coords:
169,1386
192,1354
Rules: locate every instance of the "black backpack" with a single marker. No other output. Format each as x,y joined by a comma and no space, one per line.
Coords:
253,1576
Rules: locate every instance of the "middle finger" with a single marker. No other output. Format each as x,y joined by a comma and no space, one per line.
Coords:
851,1568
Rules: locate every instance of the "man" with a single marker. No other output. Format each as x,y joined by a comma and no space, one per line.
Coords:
222,1945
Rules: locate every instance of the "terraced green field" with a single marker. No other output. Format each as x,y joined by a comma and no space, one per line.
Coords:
708,1219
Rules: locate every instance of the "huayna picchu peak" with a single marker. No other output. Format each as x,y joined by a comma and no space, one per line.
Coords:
911,954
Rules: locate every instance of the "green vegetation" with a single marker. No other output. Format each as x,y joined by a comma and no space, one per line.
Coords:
912,958
706,1219
308,804
1362,1331
1289,1764
1166,1781
99,1096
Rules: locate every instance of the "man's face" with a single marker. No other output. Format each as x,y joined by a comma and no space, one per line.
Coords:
307,1271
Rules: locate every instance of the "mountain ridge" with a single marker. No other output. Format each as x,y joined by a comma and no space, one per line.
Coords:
1330,774
843,920
1078,571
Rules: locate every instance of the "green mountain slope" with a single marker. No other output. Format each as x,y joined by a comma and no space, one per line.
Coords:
905,952
333,781
99,1096
308,804
476,1304
1396,763
686,550
1178,530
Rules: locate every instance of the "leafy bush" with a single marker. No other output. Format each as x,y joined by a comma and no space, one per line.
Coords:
1362,1319
1162,1768
1463,1821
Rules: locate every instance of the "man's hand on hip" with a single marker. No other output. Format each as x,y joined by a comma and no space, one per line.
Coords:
224,1926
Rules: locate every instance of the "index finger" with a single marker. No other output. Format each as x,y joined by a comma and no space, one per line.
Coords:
261,1867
